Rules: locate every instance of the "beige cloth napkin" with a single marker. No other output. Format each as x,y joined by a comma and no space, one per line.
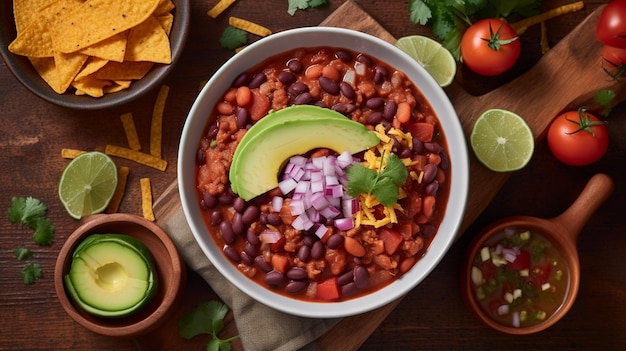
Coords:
260,327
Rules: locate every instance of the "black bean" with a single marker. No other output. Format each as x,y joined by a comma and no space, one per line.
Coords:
347,90
275,279
200,157
320,103
428,231
225,199
286,77
296,286
445,161
309,240
317,250
238,226
250,249
418,146
404,153
297,88
304,253
343,55
390,109
329,85
257,80
252,238
349,289
212,132
430,172
250,214
274,218
239,204
365,60
375,103
350,107
295,66
303,99
361,277
380,74
345,278
262,264
241,80
432,147
227,233
335,241
245,258
296,273
232,253
241,117
216,217
209,201
432,188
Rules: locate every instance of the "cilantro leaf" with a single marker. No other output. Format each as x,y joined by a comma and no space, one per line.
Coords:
31,272
233,38
22,253
44,232
295,5
26,211
386,191
206,318
383,184
395,170
362,179
420,13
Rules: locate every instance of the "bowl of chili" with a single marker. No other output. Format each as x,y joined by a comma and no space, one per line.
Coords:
347,251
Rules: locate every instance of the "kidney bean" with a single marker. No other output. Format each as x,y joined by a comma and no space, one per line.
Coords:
297,88
317,250
245,258
404,153
375,103
345,278
304,253
241,80
262,264
418,146
295,66
432,147
329,85
208,200
257,80
390,109
286,77
296,273
275,279
303,99
309,240
250,214
349,289
354,247
242,116
227,233
296,286
252,238
430,172
216,218
238,227
343,55
232,253
432,188
273,218
361,277
239,204
380,74
445,161
335,241
250,249
225,199
347,90
200,157
365,60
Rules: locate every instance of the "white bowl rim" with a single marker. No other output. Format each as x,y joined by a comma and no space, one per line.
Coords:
359,42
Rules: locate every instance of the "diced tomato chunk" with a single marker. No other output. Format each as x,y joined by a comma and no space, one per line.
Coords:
422,131
259,106
328,289
391,240
522,261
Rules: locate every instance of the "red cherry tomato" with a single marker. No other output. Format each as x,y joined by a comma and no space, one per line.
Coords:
578,138
490,47
614,61
611,28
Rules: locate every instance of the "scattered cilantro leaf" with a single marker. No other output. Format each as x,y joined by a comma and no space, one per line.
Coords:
206,318
22,253
44,232
604,97
382,184
295,5
31,272
233,38
32,213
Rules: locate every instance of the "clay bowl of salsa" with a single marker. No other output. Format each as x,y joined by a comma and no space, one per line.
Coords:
522,273
298,100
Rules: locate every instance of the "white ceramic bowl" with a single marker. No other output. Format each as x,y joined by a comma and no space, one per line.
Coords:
338,38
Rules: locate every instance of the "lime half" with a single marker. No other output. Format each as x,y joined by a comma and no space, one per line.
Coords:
436,59
87,184
502,140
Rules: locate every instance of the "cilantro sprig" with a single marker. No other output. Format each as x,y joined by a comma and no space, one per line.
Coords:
233,38
295,5
32,213
450,19
383,184
31,272
206,318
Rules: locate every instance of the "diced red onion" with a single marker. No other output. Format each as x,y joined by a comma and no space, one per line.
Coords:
344,223
509,255
516,319
321,231
503,309
269,236
277,203
287,185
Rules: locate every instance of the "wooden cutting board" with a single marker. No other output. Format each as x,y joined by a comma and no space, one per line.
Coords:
565,78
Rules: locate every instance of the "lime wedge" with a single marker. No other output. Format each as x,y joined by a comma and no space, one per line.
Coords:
87,184
502,140
436,59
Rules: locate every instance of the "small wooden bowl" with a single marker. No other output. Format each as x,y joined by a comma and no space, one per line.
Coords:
562,231
170,268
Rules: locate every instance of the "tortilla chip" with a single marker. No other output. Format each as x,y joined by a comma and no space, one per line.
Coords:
90,86
118,85
127,70
111,49
67,67
71,153
148,42
120,189
146,199
46,69
166,21
26,12
92,65
137,156
164,7
112,17
156,128
220,7
130,130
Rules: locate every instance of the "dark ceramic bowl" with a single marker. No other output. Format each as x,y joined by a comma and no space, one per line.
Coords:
170,269
23,70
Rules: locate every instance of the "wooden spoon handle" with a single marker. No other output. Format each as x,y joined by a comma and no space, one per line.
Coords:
597,190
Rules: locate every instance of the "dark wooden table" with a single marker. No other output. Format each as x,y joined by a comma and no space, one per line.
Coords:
431,317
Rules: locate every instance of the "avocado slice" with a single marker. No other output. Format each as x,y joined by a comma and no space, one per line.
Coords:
111,275
257,163
290,113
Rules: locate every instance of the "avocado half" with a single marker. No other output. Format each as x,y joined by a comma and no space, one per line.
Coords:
111,275
294,130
